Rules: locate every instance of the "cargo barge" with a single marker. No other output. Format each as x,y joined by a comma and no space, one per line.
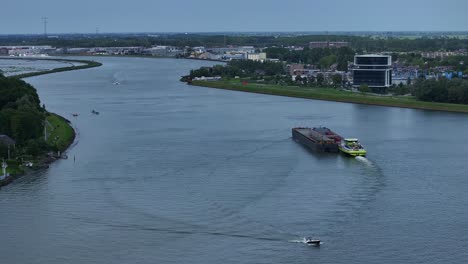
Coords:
318,138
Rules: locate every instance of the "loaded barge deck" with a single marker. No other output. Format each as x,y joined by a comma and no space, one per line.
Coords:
320,139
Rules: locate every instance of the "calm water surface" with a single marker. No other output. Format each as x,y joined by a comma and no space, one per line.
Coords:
170,173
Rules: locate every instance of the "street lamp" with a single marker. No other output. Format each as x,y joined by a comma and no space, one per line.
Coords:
4,166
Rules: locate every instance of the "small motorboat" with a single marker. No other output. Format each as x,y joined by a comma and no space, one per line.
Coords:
95,112
75,114
351,146
311,241
116,83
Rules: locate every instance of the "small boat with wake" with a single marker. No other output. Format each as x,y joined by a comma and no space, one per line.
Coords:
311,241
95,112
351,146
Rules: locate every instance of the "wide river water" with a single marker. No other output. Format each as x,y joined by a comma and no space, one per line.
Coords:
171,173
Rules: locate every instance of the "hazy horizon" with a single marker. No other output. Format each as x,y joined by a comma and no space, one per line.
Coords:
210,16
337,32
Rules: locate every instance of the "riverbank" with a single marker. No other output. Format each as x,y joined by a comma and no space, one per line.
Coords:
329,94
60,135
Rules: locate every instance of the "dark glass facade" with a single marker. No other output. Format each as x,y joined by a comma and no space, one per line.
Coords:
373,67
390,77
371,78
372,60
373,70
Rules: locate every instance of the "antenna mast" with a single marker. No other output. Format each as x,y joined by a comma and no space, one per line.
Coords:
44,20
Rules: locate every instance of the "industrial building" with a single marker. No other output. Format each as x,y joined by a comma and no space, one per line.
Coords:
373,70
262,56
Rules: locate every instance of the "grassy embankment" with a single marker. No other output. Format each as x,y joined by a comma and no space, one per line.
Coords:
60,132
60,135
329,94
14,167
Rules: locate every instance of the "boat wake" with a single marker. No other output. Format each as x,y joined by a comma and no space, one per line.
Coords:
300,241
369,166
297,241
365,161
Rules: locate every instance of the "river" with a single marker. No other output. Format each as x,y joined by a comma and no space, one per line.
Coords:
171,173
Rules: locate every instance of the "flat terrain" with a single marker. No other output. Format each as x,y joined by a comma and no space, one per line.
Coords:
330,94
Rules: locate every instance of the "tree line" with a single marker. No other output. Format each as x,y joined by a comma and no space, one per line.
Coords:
266,72
442,91
323,57
21,116
240,68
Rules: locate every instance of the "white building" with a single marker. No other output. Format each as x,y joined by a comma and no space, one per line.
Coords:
164,51
257,56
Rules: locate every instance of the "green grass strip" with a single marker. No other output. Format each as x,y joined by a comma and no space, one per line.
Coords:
330,94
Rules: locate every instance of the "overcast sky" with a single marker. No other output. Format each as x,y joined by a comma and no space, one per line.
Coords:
84,16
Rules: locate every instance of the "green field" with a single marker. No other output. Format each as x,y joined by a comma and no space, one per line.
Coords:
60,133
330,94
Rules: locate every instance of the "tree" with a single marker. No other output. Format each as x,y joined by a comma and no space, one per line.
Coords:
298,79
327,61
320,79
337,80
342,65
311,81
364,88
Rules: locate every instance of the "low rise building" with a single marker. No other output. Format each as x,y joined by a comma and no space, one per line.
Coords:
4,51
233,49
164,51
399,81
294,69
257,56
27,50
209,56
199,50
235,56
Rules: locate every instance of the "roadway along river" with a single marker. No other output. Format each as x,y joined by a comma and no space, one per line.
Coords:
170,173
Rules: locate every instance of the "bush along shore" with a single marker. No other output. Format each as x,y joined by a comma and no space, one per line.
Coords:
31,137
330,94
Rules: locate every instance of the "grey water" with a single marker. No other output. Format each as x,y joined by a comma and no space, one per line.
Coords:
171,173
